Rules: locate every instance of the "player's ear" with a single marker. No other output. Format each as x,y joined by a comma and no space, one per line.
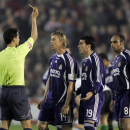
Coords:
89,46
13,39
123,43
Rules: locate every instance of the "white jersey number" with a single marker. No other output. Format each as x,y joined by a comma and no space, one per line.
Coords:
63,116
126,110
88,113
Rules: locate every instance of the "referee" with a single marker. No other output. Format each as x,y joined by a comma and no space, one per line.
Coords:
14,100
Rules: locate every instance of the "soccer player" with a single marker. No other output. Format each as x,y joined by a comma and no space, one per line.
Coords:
93,81
121,77
57,105
45,77
106,116
14,101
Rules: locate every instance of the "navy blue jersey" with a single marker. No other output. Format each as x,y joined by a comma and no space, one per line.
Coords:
109,77
63,68
93,75
45,75
121,72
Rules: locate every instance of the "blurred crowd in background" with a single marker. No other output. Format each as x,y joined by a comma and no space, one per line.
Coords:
98,18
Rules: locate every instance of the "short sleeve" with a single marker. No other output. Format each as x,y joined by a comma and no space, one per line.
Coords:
26,46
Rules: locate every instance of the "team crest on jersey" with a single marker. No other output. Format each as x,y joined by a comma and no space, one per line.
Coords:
29,45
86,68
60,67
119,64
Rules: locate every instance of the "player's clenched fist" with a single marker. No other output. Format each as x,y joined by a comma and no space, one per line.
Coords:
65,110
40,104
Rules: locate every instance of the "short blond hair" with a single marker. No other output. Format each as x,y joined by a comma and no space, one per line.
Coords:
61,36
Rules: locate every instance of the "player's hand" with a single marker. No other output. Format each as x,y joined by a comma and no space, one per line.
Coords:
35,13
111,106
88,96
65,110
40,104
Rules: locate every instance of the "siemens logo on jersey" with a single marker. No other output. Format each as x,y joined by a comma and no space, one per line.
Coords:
116,72
55,73
84,76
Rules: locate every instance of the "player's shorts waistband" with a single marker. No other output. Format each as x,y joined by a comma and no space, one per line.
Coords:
13,86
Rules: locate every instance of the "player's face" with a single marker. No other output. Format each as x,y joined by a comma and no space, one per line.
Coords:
116,44
83,48
55,42
17,40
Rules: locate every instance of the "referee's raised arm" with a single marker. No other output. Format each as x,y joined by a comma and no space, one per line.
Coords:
34,33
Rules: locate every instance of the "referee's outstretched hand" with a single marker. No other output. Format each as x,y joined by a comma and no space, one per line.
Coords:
40,104
88,96
35,13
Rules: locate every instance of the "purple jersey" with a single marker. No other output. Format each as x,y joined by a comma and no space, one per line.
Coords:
93,80
93,75
63,68
109,77
121,72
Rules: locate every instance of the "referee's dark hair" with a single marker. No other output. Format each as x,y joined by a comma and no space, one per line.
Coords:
89,40
9,34
103,56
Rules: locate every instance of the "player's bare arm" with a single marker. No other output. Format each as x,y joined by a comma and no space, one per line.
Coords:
65,108
46,91
34,33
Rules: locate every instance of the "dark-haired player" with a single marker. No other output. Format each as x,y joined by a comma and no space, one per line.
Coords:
14,101
121,77
93,81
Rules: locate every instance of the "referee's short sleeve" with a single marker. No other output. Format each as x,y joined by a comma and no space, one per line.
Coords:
26,46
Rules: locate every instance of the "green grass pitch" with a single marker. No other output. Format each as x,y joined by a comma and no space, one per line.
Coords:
18,127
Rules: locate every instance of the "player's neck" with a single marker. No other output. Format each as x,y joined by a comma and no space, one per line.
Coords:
12,44
60,51
88,53
119,52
